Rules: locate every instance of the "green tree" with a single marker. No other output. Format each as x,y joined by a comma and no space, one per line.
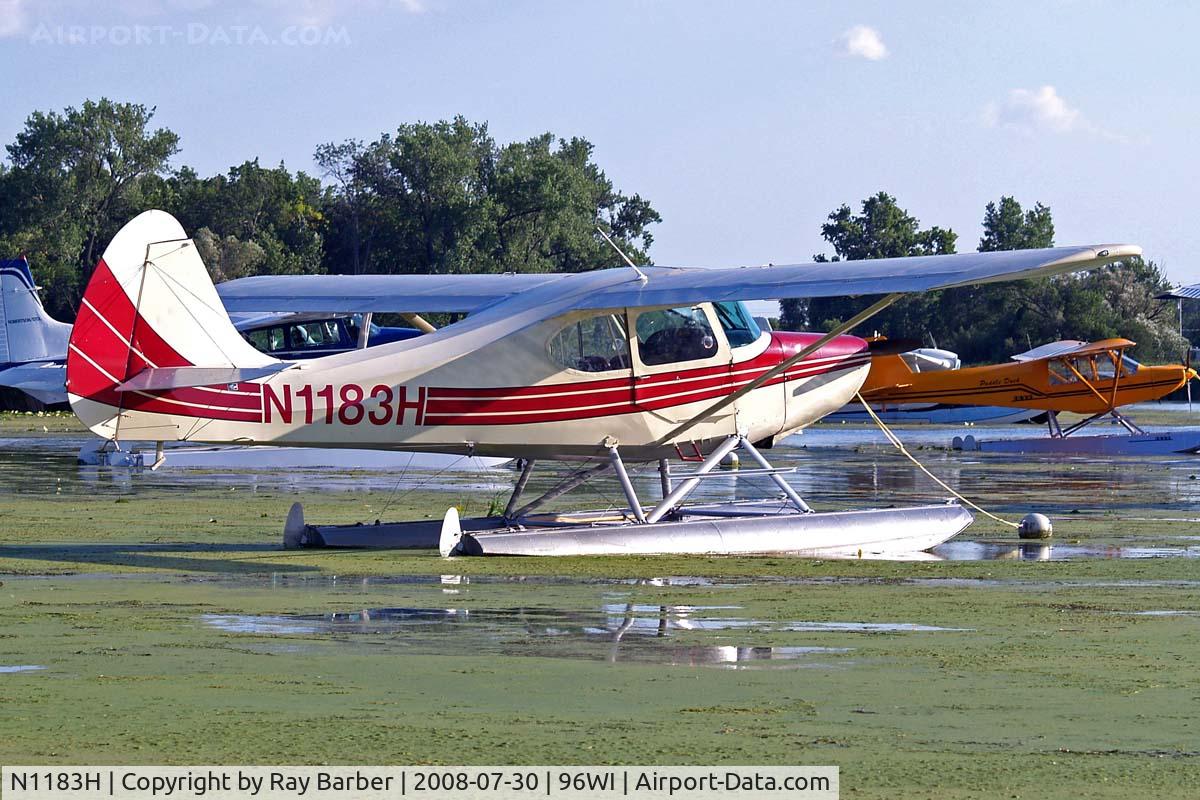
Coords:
258,220
881,230
1007,227
1003,319
1120,301
353,214
444,197
74,178
989,323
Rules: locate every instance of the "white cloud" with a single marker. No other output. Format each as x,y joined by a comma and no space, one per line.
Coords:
12,17
1042,110
863,42
1033,109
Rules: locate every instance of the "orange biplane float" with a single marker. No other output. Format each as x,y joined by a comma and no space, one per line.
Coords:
638,364
1093,379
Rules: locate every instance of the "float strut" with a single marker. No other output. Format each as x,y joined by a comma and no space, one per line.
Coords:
526,471
635,505
788,491
564,486
685,487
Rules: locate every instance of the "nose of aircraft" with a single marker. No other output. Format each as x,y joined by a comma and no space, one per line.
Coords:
840,346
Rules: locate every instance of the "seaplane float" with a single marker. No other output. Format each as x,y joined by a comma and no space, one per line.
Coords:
595,369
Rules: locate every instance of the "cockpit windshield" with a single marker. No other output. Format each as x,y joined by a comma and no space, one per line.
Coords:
740,328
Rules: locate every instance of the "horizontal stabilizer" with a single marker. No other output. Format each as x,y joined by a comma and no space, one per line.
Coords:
182,377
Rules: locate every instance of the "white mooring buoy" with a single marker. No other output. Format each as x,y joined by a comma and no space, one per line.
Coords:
1035,526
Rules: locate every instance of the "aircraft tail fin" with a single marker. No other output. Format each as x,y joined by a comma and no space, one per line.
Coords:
151,306
27,332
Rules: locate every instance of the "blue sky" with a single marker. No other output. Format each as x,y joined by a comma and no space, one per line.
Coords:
744,123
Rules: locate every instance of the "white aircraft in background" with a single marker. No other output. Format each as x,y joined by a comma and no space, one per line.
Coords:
630,363
33,346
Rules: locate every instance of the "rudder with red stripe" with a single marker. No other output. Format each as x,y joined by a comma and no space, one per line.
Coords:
150,305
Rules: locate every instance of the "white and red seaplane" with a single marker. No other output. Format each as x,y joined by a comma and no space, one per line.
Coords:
613,366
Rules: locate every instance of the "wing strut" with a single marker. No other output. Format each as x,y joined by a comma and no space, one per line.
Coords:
783,366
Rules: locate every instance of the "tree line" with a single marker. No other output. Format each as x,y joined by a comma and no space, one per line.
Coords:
438,198
445,197
990,323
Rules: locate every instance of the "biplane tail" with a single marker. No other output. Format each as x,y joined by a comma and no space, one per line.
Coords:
152,335
27,332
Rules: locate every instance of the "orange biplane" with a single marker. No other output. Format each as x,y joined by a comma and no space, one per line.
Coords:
1084,378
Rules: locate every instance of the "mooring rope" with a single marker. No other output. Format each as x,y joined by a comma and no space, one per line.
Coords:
899,445
396,494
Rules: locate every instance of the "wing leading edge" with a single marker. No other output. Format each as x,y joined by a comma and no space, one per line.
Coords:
663,285
682,286
353,294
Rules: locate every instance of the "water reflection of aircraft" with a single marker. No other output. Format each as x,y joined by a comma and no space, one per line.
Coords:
625,632
628,363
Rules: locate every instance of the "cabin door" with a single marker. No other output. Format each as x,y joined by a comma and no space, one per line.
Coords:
680,361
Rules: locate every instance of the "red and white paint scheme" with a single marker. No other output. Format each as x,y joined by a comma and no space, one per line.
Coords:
154,356
485,386
612,365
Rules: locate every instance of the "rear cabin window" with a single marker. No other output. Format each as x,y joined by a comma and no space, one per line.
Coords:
596,344
267,340
324,334
672,335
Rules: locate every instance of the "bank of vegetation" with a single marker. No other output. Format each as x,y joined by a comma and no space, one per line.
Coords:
446,197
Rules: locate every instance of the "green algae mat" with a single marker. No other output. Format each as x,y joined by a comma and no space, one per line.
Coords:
154,618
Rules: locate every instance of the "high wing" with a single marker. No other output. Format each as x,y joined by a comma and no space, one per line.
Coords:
1181,293
1073,347
355,294
662,285
667,286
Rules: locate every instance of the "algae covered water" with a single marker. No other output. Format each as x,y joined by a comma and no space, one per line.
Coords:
151,617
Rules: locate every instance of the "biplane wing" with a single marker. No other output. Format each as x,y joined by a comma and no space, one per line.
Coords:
662,286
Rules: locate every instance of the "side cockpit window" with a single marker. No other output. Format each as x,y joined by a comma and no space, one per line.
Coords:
595,344
740,328
671,335
1106,368
1060,373
1086,367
